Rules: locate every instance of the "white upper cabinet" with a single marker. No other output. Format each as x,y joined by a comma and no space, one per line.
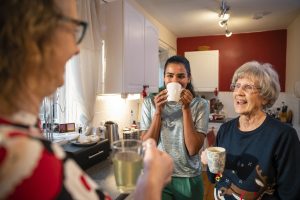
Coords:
151,72
131,50
205,69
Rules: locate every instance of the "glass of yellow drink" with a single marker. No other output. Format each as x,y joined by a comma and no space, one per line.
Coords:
127,160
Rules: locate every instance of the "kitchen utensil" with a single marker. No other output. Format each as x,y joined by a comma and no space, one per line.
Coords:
112,131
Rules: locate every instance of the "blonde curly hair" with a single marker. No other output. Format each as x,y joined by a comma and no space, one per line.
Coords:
25,29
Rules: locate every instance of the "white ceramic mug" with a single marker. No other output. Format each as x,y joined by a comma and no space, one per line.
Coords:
174,91
216,157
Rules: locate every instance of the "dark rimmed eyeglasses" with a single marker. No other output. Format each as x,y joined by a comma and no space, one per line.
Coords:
245,87
81,27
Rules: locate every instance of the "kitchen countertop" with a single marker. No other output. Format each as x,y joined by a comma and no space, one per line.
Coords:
102,173
220,121
217,121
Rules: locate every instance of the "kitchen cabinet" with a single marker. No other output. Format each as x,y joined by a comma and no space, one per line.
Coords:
205,69
131,50
87,156
151,73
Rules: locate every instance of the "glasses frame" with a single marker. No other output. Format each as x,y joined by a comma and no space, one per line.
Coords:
248,88
77,22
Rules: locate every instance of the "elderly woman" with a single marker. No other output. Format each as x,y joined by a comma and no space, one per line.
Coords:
262,154
37,37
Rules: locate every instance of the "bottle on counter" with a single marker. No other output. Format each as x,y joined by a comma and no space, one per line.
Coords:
134,125
283,113
277,113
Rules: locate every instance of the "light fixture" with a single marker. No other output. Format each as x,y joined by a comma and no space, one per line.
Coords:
227,32
224,17
222,23
224,9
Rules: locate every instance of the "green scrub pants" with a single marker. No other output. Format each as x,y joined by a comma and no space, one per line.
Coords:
184,188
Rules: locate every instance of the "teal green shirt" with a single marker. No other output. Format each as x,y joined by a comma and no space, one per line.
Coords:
171,133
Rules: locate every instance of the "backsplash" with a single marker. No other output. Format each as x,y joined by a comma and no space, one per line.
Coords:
117,109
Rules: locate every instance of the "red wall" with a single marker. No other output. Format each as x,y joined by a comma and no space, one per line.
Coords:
268,46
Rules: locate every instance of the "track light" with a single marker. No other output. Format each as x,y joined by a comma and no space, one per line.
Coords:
222,23
224,9
227,32
224,17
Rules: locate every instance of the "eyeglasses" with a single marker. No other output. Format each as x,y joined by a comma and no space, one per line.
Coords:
81,27
246,87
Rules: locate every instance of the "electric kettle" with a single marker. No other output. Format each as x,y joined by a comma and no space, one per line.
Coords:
112,132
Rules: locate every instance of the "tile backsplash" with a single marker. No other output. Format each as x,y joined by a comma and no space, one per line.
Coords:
117,109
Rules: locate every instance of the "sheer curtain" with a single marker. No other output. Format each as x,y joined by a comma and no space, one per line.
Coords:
83,72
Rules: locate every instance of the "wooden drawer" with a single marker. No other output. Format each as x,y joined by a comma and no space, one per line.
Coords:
87,156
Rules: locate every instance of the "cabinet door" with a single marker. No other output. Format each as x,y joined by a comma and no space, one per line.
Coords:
151,57
113,63
205,69
134,36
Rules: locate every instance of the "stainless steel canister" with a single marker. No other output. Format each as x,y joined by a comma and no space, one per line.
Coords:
131,134
112,132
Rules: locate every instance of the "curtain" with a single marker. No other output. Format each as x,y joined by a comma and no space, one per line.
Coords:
83,73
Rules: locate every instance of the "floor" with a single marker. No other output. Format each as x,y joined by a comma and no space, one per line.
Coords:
102,173
208,187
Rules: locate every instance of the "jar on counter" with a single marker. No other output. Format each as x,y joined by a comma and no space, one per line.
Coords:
131,134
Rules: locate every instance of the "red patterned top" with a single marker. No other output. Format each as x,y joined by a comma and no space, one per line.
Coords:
32,167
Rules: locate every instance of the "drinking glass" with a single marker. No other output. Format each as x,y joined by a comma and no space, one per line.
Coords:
127,157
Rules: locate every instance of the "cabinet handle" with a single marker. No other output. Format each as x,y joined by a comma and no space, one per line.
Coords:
96,154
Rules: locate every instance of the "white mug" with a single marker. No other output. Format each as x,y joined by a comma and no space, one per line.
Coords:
174,91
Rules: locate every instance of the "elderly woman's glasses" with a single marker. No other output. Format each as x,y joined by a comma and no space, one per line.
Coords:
245,87
81,27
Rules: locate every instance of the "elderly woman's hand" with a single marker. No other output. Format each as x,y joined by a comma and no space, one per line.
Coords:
186,98
159,100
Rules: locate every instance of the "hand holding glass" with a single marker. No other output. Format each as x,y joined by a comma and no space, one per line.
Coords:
128,162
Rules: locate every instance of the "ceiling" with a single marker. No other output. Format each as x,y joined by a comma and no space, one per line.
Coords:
186,18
